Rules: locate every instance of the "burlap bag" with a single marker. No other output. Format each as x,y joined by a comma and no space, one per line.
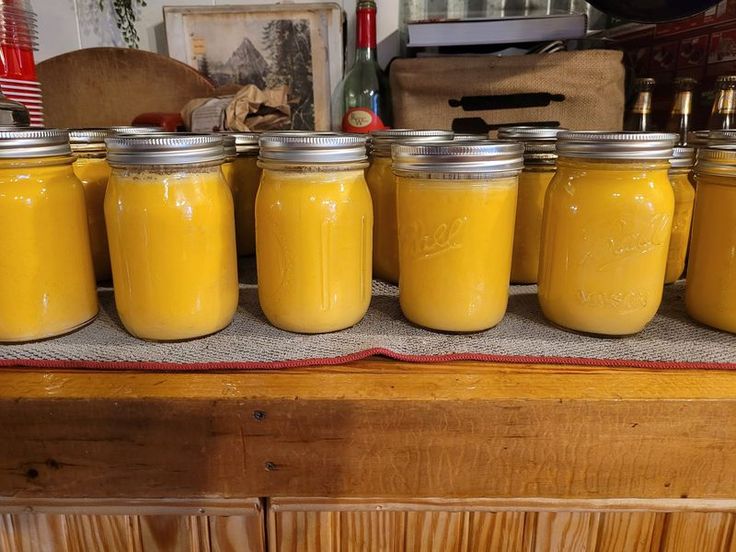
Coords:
580,90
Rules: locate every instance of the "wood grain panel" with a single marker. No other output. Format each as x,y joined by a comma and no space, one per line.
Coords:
566,531
304,532
630,531
375,428
237,533
434,531
372,531
704,532
499,531
101,533
84,532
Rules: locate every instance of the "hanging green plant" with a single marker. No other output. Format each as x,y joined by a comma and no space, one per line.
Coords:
125,18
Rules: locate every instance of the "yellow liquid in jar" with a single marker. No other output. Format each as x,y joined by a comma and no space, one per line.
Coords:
684,198
247,175
313,249
528,228
455,243
172,246
228,173
382,186
47,284
710,295
94,174
605,238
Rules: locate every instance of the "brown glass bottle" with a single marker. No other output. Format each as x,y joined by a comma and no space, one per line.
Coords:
682,108
640,114
723,114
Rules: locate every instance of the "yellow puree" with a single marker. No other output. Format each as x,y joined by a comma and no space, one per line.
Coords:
228,171
528,229
710,295
172,246
47,284
94,174
684,197
455,243
605,238
313,249
385,238
246,176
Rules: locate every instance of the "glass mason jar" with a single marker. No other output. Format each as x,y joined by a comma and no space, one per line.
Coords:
228,166
456,203
710,291
91,167
47,283
681,167
171,230
540,160
245,176
606,231
382,186
314,224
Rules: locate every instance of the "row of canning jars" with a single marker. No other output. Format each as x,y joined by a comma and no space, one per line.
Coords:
155,211
171,230
600,220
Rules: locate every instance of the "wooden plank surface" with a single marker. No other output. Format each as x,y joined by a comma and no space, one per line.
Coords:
81,529
373,428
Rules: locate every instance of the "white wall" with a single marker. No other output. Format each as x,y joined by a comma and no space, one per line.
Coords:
66,25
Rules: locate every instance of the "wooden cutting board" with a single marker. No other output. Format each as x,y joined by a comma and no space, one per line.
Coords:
97,87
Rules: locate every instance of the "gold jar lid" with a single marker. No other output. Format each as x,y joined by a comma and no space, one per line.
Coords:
717,160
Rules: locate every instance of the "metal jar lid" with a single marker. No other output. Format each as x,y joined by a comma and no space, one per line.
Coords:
164,149
246,143
136,129
716,137
717,160
540,143
13,113
25,143
698,138
469,137
616,145
682,158
312,147
91,140
459,157
228,144
382,140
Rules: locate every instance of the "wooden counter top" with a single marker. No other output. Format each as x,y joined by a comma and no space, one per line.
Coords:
370,428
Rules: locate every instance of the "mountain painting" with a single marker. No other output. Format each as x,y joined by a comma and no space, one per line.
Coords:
267,46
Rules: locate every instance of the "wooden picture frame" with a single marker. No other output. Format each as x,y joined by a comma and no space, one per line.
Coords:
267,45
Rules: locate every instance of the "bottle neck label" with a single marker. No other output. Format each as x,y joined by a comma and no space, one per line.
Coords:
366,28
726,102
683,103
643,103
361,120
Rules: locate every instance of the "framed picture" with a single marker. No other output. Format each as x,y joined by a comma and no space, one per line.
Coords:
298,45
